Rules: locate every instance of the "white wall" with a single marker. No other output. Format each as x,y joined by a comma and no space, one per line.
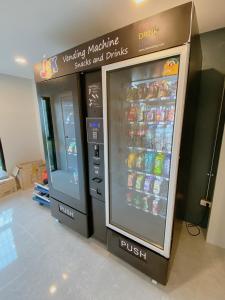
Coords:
216,227
19,121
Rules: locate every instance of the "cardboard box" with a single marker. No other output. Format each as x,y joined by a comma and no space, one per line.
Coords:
7,186
28,173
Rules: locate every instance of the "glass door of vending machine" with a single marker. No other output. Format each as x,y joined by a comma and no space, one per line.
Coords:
62,125
143,102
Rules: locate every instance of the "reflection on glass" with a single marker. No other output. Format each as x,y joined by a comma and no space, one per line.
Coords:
8,252
142,103
59,124
6,217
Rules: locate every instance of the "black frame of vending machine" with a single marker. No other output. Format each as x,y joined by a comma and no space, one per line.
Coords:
67,209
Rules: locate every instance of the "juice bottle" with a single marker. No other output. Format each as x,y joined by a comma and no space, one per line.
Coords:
140,112
137,201
166,166
129,198
145,205
159,138
149,161
131,180
150,137
168,138
139,182
132,135
131,160
158,165
155,207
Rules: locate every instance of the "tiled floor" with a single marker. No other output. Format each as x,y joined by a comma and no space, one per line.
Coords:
41,259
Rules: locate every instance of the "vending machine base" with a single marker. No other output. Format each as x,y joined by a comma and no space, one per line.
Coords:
70,217
99,228
145,260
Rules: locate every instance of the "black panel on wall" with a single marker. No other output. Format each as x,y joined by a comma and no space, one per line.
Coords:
211,93
208,112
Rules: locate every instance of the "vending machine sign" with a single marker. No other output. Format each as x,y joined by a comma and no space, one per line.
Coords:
150,35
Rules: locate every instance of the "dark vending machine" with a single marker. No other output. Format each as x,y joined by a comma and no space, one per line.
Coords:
94,126
62,129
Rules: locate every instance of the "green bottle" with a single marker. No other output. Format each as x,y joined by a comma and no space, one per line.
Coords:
158,166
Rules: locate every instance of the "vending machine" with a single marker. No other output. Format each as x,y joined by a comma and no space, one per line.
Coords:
118,116
143,100
62,121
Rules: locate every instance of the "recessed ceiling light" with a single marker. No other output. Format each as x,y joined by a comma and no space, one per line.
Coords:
139,1
20,60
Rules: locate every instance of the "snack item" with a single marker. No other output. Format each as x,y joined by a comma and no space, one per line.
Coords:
164,90
132,92
170,113
150,114
158,165
139,182
141,88
132,114
129,93
160,113
131,160
131,180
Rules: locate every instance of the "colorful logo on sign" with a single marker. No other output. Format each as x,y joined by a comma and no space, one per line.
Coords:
49,67
171,67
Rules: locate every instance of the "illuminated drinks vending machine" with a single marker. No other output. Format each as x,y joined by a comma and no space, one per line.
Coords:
144,106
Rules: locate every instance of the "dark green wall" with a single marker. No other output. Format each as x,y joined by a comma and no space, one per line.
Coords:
213,50
213,66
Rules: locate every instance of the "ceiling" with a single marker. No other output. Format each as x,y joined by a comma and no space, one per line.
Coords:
33,28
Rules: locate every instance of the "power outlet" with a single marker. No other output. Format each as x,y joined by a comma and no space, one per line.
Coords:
206,203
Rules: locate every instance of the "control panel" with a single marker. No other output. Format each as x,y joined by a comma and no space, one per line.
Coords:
95,131
96,156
